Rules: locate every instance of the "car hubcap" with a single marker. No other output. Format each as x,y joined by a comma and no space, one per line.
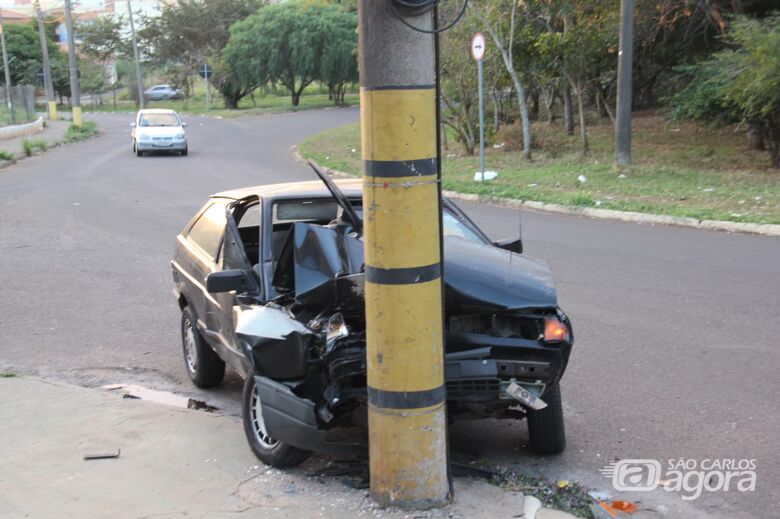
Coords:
189,349
258,425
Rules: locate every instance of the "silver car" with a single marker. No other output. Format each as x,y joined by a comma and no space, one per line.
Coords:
163,93
158,130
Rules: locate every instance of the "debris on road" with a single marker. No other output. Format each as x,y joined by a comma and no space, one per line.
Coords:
160,397
103,455
489,175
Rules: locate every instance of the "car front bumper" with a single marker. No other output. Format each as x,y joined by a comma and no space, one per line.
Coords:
161,145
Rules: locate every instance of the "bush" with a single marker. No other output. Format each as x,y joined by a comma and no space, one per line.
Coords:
30,146
76,133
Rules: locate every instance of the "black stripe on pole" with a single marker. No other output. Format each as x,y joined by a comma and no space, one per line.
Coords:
399,168
406,399
403,276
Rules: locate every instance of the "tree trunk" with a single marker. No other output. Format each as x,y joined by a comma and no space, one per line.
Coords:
600,96
754,137
548,96
296,98
568,111
583,128
534,105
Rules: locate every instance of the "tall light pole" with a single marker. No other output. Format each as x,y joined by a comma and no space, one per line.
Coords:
7,73
138,78
75,94
403,277
625,70
47,82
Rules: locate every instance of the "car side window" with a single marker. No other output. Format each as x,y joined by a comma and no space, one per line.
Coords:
207,231
233,256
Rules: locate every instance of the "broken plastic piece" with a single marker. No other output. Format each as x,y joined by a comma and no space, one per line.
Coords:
623,506
102,455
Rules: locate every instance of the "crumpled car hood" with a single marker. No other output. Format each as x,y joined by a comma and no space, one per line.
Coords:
483,278
479,278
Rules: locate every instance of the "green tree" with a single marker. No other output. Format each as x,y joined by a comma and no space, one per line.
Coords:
189,32
24,53
101,38
740,83
292,44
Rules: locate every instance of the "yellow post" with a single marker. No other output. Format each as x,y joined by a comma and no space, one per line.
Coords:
406,393
52,110
77,116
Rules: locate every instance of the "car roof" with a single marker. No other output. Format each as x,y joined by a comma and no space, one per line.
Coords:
156,111
314,189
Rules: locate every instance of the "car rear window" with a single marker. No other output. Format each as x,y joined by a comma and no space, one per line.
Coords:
207,231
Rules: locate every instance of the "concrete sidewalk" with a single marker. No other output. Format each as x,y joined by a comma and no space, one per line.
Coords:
173,463
52,133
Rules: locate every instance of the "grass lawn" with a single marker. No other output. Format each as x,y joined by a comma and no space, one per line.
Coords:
276,100
679,169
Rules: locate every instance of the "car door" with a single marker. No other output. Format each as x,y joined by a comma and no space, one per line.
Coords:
233,256
204,242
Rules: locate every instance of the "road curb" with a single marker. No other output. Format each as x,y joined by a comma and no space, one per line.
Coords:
762,229
21,130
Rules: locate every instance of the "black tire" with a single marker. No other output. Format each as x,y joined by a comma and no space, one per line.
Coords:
269,451
184,152
204,366
138,152
545,427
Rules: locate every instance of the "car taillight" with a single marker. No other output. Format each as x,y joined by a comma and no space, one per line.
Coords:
555,330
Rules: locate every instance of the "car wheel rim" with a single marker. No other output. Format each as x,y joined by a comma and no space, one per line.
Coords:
190,353
258,424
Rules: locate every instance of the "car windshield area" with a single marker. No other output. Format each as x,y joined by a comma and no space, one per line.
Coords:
158,120
453,226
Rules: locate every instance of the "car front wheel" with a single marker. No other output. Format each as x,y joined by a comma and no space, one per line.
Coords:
545,427
204,366
268,450
184,152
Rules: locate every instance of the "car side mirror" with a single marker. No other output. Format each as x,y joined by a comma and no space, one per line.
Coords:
226,281
510,244
132,125
183,124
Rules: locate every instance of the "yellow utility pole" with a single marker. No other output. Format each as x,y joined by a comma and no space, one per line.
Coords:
403,289
75,95
48,84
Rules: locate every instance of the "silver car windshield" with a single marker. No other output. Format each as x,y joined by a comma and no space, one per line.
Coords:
158,120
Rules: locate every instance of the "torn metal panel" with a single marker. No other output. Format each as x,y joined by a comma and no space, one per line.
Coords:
278,343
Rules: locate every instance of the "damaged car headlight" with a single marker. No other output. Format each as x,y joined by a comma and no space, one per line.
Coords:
555,330
337,328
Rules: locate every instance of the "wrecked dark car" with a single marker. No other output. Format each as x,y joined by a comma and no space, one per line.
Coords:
270,281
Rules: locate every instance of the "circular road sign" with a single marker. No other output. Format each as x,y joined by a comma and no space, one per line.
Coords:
205,71
478,46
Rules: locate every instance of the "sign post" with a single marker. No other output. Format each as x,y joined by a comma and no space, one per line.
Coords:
205,73
478,52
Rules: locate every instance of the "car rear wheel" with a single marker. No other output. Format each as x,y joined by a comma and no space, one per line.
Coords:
204,366
545,427
268,450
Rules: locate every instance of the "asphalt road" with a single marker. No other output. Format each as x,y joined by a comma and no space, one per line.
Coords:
677,351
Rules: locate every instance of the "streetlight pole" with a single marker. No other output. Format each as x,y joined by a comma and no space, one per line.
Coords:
7,73
625,66
47,81
138,78
75,94
403,274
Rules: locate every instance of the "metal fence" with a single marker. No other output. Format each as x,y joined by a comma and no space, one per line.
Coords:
23,101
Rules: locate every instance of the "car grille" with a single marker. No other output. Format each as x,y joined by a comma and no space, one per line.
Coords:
473,389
